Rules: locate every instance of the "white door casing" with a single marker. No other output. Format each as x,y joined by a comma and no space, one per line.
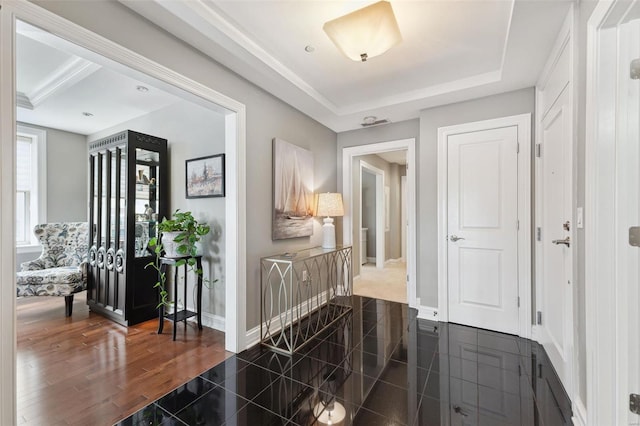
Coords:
348,221
403,218
483,212
379,208
612,206
479,199
555,204
235,140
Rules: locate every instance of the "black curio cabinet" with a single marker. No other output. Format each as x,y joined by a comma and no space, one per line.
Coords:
128,193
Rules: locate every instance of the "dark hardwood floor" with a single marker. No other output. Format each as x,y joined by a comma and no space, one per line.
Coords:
87,370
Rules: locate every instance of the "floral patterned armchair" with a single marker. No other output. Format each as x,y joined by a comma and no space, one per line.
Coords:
61,269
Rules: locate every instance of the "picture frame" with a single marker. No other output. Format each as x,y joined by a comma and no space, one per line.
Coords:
205,177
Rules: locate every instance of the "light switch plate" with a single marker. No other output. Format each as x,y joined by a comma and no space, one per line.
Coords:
580,218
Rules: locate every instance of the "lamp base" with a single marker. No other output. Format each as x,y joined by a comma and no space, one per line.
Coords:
328,234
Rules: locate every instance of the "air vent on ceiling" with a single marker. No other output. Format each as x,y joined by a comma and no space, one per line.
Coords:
375,123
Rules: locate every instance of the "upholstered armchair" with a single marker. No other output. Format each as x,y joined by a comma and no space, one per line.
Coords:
61,269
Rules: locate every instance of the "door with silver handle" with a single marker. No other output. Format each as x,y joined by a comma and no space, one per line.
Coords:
566,242
455,238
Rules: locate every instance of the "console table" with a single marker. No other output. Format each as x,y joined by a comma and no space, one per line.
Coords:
302,294
180,315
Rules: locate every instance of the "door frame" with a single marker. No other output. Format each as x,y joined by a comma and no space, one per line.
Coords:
403,217
235,227
380,219
523,124
348,220
606,307
549,82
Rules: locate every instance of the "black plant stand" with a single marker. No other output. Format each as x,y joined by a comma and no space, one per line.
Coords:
183,314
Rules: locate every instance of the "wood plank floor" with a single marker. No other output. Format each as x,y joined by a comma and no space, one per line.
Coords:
88,370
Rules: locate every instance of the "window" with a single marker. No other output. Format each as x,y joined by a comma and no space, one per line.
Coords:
30,184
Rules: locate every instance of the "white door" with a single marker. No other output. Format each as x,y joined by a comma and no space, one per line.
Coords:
553,244
482,206
628,213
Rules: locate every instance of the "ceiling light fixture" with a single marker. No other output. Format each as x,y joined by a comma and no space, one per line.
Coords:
365,33
87,114
142,89
309,49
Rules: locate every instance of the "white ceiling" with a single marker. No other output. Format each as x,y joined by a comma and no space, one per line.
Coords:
452,51
397,157
56,86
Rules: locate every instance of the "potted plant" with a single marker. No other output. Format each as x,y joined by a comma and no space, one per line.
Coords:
181,234
180,237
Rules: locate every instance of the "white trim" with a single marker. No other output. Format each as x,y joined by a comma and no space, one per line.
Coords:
607,360
380,213
8,415
214,321
523,123
579,413
65,76
28,249
40,137
207,21
565,44
235,222
428,312
348,221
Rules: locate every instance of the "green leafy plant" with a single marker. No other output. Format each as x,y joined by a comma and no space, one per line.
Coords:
190,232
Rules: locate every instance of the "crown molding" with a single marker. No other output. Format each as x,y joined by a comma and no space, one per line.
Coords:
203,17
23,101
65,76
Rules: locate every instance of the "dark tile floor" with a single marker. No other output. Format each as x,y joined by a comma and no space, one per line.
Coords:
379,365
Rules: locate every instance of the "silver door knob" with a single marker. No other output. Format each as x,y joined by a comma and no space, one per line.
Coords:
455,238
566,242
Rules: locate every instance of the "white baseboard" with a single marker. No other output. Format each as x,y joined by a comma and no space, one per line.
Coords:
253,335
208,319
579,412
371,260
212,321
427,312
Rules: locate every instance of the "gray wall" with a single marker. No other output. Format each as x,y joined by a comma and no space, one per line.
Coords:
267,117
66,179
191,131
502,105
390,132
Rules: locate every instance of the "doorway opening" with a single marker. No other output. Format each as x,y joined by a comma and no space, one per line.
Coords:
373,222
230,117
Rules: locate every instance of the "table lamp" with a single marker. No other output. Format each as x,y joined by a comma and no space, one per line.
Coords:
329,204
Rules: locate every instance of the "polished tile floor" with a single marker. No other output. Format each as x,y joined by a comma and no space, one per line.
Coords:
378,365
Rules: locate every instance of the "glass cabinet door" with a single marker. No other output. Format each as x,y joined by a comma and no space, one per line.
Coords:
146,201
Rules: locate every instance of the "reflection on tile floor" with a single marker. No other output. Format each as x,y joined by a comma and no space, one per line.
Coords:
379,365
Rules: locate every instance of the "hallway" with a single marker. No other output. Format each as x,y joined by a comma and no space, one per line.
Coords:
379,365
389,283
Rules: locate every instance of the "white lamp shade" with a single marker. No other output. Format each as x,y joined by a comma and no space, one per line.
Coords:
330,204
369,31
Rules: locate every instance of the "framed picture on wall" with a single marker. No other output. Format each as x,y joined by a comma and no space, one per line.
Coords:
205,177
293,196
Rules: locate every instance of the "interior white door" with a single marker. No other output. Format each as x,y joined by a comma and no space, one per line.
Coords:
482,209
628,213
554,247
